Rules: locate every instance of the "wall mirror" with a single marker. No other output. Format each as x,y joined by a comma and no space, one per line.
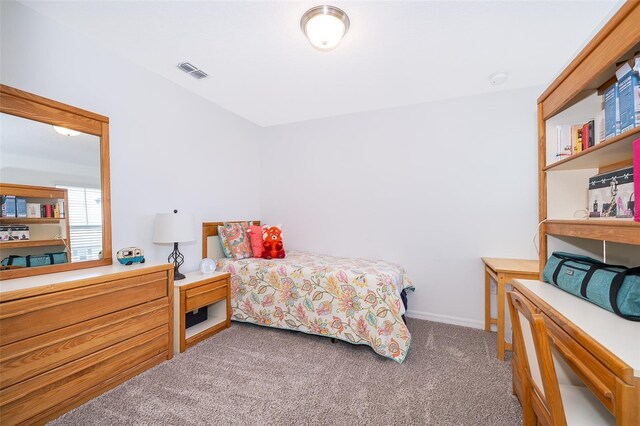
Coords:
54,186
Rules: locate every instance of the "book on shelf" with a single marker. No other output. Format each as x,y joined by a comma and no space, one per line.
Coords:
611,111
598,124
46,211
611,194
576,138
33,210
628,96
21,207
564,147
14,232
9,205
61,208
586,142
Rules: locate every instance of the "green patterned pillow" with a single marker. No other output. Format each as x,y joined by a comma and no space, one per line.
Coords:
234,240
223,242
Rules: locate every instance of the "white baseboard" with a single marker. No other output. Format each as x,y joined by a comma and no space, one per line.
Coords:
464,322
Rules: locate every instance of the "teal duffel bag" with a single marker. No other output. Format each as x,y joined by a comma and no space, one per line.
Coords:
612,287
31,261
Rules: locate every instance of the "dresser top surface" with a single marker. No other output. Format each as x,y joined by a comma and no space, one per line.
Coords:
619,336
197,276
116,268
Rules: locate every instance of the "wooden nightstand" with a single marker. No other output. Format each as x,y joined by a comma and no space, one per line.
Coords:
196,292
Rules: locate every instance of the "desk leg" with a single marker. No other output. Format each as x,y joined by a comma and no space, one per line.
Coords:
501,285
487,300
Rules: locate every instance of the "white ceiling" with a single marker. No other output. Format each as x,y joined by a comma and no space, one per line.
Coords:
396,52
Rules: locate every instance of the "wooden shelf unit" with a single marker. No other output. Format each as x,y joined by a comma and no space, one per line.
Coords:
39,234
572,97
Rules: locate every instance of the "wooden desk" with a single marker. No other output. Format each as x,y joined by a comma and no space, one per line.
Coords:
600,347
503,271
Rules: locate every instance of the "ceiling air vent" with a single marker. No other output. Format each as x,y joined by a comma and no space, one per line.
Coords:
192,70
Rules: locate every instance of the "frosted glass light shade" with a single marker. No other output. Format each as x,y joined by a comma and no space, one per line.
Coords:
173,228
66,132
324,26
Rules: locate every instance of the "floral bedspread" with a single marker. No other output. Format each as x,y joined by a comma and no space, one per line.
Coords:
355,300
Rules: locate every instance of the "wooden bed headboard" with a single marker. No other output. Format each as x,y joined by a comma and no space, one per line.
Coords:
210,229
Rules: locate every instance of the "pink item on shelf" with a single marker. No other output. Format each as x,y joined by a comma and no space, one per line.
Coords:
636,179
255,235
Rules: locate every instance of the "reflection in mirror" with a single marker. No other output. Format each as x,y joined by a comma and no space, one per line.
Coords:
54,175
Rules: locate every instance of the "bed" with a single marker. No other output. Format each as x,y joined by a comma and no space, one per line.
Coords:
356,300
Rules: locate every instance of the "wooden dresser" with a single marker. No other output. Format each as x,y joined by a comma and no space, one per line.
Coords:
595,347
67,337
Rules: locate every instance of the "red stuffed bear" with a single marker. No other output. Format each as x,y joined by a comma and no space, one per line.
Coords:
273,248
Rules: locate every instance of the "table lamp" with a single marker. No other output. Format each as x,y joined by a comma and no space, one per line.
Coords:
174,228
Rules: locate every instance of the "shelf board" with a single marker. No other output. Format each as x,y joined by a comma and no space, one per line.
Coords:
616,230
31,243
611,151
21,220
195,330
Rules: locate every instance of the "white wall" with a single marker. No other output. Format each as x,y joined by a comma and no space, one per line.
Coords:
433,186
169,147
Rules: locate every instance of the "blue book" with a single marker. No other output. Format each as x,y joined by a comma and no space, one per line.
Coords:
627,95
610,111
10,205
21,207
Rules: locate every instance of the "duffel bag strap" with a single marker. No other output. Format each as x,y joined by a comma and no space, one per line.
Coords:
587,278
28,260
615,288
554,279
11,258
51,262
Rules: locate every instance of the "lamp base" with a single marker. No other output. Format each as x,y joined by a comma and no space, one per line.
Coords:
177,275
177,259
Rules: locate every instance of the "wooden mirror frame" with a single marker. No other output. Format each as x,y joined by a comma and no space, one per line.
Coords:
33,107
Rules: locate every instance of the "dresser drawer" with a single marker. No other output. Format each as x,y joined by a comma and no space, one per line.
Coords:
27,358
592,372
42,394
31,316
206,294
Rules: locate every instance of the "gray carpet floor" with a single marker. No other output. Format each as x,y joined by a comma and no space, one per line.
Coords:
250,375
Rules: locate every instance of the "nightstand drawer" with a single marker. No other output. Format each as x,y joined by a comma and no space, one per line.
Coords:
205,295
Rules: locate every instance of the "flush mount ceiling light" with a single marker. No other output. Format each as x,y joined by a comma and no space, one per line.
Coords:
66,132
324,26
498,78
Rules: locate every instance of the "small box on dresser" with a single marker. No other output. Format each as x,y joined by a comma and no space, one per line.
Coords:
197,292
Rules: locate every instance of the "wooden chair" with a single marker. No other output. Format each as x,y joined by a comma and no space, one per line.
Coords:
546,401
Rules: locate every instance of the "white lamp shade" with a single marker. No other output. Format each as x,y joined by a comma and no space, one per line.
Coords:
173,228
